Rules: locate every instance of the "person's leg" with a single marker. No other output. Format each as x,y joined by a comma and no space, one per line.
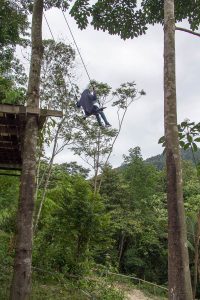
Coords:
98,119
95,112
104,118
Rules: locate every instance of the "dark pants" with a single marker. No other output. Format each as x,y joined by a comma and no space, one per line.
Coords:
97,112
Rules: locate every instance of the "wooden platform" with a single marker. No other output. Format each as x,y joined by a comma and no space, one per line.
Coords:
12,124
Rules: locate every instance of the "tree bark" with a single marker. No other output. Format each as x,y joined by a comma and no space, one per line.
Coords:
121,249
196,257
179,280
96,164
21,282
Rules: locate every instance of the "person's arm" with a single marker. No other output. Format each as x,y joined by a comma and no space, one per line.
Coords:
94,96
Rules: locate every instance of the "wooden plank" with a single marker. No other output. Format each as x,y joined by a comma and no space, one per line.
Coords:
10,109
11,174
9,154
9,146
9,121
9,138
51,113
6,131
7,166
11,162
20,109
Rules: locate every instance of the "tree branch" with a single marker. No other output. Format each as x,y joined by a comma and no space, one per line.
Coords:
188,31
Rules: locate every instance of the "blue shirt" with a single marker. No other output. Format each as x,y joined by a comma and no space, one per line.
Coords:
87,101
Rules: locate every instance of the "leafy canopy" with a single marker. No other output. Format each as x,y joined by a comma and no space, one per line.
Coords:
131,18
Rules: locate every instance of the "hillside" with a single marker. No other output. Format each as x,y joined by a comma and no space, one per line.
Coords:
159,160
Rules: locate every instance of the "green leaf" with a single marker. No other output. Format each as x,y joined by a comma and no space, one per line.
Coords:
181,136
189,138
161,140
197,139
187,146
190,246
183,124
182,144
195,148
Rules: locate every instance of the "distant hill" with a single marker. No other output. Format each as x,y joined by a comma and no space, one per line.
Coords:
159,160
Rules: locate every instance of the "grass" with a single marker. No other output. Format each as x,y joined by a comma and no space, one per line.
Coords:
55,292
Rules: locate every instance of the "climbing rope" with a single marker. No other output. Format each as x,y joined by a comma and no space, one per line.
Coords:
81,57
49,26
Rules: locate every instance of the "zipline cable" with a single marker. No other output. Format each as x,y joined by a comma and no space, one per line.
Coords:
49,27
77,46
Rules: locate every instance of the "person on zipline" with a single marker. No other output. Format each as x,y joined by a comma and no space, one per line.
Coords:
87,101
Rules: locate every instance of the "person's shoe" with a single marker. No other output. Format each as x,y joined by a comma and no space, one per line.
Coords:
108,125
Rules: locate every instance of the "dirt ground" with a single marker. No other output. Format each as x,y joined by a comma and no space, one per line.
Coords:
136,295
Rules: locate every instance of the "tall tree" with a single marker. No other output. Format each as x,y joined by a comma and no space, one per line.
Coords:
96,144
178,261
21,283
58,61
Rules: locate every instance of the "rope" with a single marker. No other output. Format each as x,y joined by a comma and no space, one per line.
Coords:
69,79
76,46
84,65
49,26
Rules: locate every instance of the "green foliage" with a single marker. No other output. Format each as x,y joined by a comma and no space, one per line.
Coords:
137,206
119,17
143,177
159,160
12,87
13,23
73,168
122,229
129,19
189,10
189,135
76,222
93,144
13,28
8,202
126,94
6,261
57,64
55,93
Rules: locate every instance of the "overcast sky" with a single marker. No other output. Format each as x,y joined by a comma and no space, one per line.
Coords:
114,61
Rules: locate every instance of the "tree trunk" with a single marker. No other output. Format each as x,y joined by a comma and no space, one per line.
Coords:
49,169
96,164
121,249
196,256
21,282
179,280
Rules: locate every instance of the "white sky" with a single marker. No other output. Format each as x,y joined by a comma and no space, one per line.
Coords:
114,61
